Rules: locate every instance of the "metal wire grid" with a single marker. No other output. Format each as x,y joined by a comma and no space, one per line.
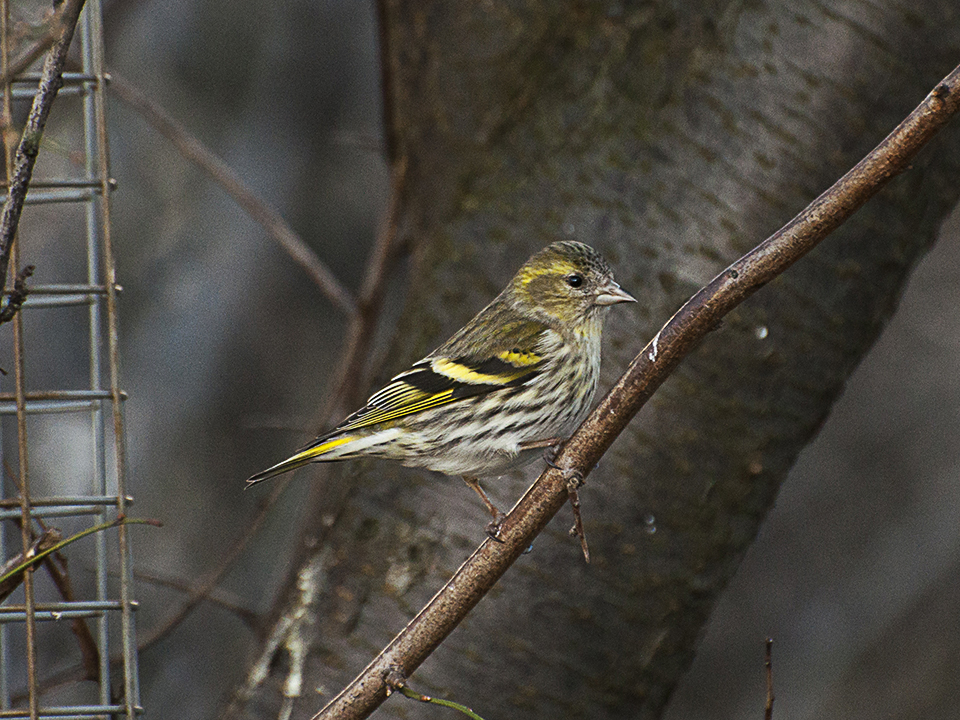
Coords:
27,615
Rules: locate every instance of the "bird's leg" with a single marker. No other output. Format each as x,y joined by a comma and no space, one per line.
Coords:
551,447
493,529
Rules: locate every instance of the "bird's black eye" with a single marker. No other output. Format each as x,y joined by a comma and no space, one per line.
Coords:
575,280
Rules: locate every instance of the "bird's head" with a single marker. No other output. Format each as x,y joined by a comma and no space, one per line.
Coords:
566,283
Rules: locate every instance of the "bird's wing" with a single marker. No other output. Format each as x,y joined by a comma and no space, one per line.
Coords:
473,362
440,381
454,373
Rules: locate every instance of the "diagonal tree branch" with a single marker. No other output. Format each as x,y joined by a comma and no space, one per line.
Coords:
29,147
350,379
646,373
346,384
264,215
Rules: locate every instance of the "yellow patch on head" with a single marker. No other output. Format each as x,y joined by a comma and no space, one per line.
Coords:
530,272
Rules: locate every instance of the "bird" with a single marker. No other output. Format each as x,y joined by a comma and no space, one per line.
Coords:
514,382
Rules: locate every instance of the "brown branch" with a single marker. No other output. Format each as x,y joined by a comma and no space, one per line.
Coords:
202,589
221,173
213,597
57,569
198,592
646,373
29,147
349,379
16,297
44,542
56,566
768,668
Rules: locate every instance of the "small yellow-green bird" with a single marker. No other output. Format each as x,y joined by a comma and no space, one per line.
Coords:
520,376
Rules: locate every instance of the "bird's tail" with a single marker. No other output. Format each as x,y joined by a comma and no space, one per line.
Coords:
311,453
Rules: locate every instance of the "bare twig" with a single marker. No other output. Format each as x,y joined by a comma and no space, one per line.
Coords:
646,373
46,541
16,297
56,566
33,558
264,215
218,599
26,156
200,592
350,380
577,530
768,667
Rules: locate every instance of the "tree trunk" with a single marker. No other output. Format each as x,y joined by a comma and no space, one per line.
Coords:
673,137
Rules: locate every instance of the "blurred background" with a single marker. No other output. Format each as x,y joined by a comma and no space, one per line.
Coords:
854,574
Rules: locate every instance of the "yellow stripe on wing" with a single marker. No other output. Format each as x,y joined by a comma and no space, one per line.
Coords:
461,373
371,415
440,381
323,448
519,358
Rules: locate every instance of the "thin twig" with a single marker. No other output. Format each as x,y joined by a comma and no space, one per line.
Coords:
397,683
29,147
57,569
201,590
350,379
646,373
198,593
768,667
45,541
221,173
16,297
246,615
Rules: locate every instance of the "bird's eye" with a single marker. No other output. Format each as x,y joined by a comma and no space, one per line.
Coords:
575,280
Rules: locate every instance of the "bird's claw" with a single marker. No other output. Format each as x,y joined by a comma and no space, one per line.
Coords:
574,478
550,455
493,528
551,448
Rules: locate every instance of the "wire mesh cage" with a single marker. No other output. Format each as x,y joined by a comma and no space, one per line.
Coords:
67,640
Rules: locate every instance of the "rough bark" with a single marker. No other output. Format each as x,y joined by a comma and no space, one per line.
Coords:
672,137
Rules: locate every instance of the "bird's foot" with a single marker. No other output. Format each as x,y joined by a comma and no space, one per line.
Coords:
551,448
493,528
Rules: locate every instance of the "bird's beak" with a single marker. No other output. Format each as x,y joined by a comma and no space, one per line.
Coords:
610,294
